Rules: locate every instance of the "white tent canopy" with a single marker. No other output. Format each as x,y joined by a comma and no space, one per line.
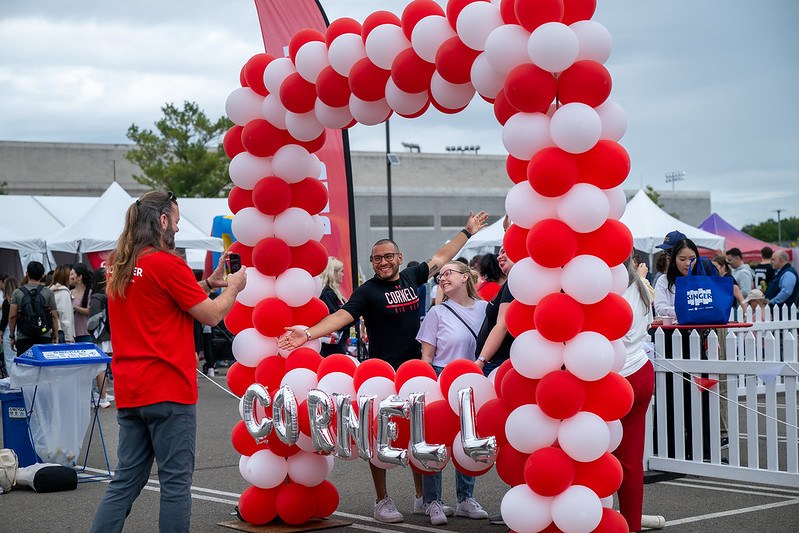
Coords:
485,241
20,251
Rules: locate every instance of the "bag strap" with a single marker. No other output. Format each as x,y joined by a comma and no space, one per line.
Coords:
462,320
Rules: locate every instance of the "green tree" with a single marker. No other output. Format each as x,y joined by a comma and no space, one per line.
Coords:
184,154
653,195
768,231
3,187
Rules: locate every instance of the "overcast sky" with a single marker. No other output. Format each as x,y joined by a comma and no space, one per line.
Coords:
709,88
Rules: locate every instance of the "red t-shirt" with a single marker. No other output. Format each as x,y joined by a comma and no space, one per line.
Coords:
488,290
153,334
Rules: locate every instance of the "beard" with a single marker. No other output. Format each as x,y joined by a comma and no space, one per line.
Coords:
168,237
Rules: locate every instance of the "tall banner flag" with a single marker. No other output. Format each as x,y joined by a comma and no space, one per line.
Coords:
280,20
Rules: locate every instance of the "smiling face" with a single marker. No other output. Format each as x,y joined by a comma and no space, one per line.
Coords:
505,264
386,260
683,260
452,279
74,279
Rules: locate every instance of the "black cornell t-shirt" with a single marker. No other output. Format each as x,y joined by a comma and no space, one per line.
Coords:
391,312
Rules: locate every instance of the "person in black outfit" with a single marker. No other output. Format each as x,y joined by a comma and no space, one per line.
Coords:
493,340
331,295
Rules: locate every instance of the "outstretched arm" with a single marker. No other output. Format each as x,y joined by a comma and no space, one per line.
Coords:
474,224
296,336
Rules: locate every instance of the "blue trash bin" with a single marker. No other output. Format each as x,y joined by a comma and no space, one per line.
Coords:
15,428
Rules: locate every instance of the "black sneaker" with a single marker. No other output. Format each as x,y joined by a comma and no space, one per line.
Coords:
496,519
725,442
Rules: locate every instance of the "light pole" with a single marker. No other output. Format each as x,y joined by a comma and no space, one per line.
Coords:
677,175
779,226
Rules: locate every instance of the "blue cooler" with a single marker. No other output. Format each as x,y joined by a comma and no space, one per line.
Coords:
15,427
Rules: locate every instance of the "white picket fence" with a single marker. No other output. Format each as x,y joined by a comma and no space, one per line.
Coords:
760,371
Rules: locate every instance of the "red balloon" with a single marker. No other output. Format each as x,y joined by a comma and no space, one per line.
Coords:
516,168
311,257
612,242
271,256
410,72
585,81
262,139
232,141
243,442
254,72
411,369
378,18
454,61
403,432
303,418
559,317
278,447
257,505
303,358
532,13
337,362
453,370
314,145
602,476
440,422
242,79
309,194
508,12
610,397
549,471
552,172
303,36
239,318
552,243
271,317
294,504
244,251
325,499
491,418
519,318
560,394
368,81
606,165
502,108
575,10
369,369
341,26
530,89
311,313
510,465
239,377
270,372
611,317
297,94
500,375
515,243
416,11
271,195
239,199
332,88
518,390
612,522
454,8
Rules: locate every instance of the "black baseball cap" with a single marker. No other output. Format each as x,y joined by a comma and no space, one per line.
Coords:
671,239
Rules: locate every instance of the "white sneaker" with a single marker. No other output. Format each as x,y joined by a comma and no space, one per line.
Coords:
104,403
420,508
653,521
436,513
211,372
471,509
110,397
386,511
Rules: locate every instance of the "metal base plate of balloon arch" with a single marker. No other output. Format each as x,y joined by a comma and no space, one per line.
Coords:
280,527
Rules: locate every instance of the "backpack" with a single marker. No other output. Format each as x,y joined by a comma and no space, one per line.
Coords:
34,316
98,325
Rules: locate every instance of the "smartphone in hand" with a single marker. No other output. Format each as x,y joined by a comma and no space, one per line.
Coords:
234,263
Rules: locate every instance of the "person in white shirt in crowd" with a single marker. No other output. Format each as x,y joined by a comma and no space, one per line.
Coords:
741,271
63,300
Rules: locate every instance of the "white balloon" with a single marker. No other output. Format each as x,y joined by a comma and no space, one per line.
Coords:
577,510
294,225
384,43
345,51
309,469
620,279
250,226
584,207
587,279
300,381
533,356
482,390
379,386
617,202
250,347
321,228
317,282
259,286
460,455
369,113
524,511
475,22
338,382
619,355
332,117
246,170
528,429
589,356
243,460
595,42
266,470
553,47
315,167
528,281
428,34
292,162
418,384
614,120
295,286
311,59
487,81
616,431
303,126
575,128
584,437
524,134
305,443
276,72
273,111
405,103
506,48
243,105
525,207
450,95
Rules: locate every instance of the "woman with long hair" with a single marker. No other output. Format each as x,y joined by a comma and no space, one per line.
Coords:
80,279
63,300
491,277
449,333
683,255
9,286
331,278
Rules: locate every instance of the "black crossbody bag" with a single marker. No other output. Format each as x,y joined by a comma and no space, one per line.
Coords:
451,310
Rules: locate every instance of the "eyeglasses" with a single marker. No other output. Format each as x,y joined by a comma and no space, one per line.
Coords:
377,259
446,274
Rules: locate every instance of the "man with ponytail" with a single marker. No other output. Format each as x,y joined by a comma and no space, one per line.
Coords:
153,299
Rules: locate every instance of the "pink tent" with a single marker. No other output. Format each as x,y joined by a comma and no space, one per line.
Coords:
736,238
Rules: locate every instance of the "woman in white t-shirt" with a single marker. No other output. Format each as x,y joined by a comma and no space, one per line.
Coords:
448,333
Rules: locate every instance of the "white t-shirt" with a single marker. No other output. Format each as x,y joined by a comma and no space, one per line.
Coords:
442,329
664,298
635,338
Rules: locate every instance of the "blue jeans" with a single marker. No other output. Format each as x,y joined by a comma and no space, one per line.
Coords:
165,432
431,484
490,366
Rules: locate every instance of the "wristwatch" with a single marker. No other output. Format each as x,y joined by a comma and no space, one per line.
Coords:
308,333
483,359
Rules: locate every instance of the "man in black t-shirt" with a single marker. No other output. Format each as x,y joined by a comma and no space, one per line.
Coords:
389,305
764,272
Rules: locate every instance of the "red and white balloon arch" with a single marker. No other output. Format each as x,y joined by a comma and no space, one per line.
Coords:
555,406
